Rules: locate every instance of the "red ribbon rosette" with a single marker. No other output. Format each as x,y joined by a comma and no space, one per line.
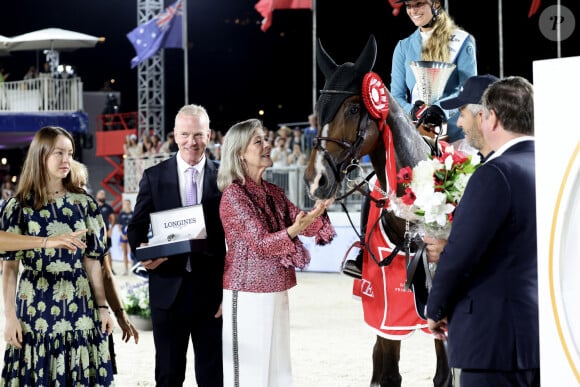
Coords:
375,98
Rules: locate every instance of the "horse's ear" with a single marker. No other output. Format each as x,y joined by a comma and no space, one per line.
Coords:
325,62
366,59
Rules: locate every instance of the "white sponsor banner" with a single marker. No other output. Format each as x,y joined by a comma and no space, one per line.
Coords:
328,258
556,85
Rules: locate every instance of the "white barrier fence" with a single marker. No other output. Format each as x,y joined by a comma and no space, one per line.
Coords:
290,178
42,94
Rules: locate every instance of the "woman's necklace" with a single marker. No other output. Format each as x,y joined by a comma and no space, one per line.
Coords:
56,194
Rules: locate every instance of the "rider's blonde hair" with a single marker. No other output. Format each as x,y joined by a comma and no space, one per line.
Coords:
437,46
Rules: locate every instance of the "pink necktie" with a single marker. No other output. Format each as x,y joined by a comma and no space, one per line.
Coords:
190,197
190,187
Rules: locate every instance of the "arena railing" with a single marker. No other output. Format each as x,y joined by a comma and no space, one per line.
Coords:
43,94
290,178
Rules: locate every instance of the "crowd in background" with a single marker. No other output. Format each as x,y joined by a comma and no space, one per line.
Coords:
292,147
151,145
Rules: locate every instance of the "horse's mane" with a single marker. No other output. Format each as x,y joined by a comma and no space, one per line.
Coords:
410,147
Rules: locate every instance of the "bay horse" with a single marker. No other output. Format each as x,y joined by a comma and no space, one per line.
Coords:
358,116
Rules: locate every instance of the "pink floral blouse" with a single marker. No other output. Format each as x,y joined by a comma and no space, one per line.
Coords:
261,257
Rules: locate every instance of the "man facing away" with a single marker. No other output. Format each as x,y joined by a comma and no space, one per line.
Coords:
310,133
185,291
110,218
485,289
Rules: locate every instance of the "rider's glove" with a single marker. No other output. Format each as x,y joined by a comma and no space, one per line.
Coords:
432,117
417,110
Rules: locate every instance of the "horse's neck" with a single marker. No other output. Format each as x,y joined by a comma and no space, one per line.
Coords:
410,147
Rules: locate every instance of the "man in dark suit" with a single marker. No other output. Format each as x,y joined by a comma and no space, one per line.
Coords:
485,290
185,291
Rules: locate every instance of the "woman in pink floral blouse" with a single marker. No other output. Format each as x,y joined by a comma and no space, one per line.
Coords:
261,226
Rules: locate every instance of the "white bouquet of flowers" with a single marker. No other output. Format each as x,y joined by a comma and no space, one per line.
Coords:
136,300
433,189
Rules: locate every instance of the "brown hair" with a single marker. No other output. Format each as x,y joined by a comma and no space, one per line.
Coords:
34,177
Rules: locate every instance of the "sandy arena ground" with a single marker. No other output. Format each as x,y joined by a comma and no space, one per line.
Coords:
331,345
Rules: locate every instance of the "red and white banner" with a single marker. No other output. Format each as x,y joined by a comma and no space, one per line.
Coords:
266,7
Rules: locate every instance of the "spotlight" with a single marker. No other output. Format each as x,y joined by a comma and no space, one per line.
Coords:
65,71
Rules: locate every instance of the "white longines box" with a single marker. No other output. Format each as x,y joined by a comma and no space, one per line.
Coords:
177,231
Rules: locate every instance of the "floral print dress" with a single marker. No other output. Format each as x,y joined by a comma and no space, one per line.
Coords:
62,340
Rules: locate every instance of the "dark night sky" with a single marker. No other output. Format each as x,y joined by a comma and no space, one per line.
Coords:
236,69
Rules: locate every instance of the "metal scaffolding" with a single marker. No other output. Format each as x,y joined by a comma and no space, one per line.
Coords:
151,79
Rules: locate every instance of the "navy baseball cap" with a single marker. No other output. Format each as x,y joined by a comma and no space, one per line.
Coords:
471,91
408,1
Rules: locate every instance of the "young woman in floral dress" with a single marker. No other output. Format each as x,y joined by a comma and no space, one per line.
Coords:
57,318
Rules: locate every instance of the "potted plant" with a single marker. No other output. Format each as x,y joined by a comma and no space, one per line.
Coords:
136,304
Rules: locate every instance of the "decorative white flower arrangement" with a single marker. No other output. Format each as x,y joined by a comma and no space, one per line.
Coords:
433,189
136,300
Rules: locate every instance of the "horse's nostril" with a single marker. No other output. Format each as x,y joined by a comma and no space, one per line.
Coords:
323,181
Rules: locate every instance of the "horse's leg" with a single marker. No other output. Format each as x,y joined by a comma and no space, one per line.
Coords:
443,376
377,364
386,355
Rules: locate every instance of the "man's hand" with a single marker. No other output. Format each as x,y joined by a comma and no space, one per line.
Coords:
152,264
438,328
434,248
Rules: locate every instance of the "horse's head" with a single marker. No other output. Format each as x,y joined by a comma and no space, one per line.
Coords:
352,112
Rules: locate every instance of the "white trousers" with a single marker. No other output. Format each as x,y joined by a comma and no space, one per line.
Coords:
256,339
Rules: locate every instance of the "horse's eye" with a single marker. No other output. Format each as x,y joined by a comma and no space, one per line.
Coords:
354,109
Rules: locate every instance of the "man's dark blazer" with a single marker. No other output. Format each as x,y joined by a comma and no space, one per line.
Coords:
159,191
486,281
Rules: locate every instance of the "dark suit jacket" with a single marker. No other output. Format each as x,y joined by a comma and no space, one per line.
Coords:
486,281
159,191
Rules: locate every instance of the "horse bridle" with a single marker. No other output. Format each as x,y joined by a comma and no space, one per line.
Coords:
339,171
351,159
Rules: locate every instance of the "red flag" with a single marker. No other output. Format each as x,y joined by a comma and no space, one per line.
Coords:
534,7
396,6
266,7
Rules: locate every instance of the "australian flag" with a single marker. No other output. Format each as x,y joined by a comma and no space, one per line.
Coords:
163,31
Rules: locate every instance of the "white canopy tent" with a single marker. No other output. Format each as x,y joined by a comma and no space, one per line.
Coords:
51,41
4,45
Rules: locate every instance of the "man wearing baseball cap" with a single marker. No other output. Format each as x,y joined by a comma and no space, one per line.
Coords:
468,101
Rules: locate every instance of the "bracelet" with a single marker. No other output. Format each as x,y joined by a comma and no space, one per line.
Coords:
103,307
44,240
